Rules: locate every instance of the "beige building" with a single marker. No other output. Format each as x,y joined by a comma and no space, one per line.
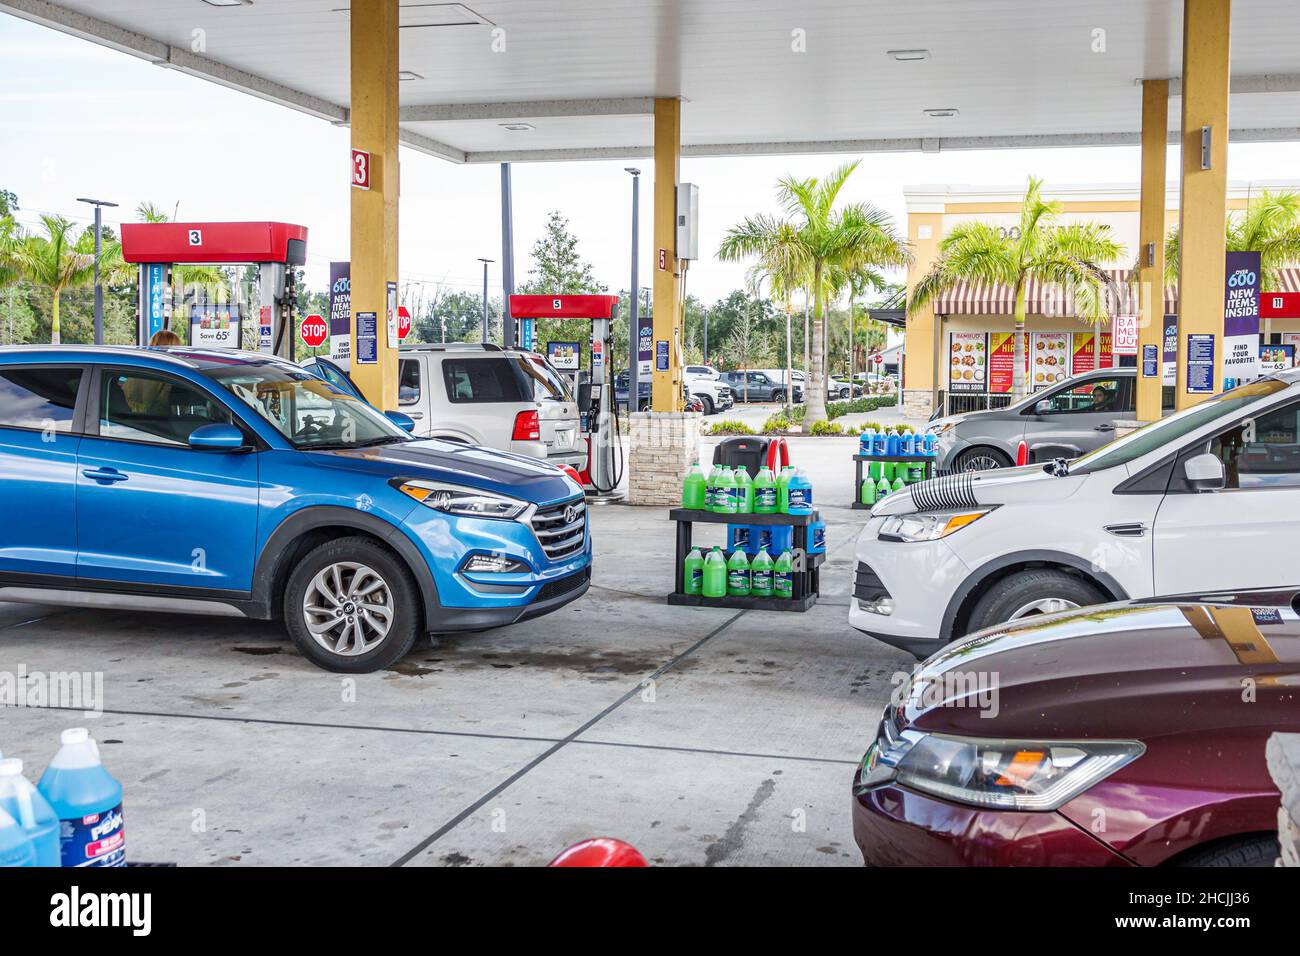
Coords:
958,349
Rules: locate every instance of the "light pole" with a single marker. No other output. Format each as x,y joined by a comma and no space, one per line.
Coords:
634,321
486,263
99,204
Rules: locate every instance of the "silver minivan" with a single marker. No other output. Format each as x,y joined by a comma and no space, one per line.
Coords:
510,399
1064,421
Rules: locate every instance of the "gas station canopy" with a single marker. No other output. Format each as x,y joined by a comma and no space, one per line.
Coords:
519,80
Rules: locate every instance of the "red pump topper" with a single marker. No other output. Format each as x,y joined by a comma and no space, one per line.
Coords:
272,246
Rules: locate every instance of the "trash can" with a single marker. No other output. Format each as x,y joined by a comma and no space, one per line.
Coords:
752,453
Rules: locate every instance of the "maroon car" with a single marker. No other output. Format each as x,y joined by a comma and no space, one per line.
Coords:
1123,735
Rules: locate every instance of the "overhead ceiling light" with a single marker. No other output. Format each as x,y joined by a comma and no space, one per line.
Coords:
229,3
517,127
905,55
415,15
942,112
408,75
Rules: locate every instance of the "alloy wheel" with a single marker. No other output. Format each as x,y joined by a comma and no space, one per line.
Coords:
348,608
1043,606
981,463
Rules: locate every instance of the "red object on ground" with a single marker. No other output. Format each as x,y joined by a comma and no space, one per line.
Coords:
777,447
213,242
1022,453
602,851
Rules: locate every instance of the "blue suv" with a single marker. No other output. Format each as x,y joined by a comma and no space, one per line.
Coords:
230,482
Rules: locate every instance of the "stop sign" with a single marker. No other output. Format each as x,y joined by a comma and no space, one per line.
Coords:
403,322
314,331
879,359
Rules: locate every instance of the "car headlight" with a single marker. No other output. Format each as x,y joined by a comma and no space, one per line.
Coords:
466,502
1008,774
941,429
927,526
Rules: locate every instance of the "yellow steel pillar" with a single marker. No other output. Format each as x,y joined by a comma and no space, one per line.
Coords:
374,119
921,345
1151,243
1206,30
666,391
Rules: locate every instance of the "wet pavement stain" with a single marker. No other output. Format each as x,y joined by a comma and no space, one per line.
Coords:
731,841
600,665
257,651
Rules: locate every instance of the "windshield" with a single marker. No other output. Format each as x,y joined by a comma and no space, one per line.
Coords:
1149,438
308,411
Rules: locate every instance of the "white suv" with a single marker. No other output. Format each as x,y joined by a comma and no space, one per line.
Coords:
509,399
1207,499
715,395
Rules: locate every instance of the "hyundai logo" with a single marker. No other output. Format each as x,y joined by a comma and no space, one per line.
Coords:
570,514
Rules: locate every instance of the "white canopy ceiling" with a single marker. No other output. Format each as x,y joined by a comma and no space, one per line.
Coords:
776,76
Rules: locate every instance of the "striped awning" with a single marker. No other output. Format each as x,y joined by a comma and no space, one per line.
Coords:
979,298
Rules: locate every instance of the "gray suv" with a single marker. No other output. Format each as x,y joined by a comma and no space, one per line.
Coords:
757,387
1064,421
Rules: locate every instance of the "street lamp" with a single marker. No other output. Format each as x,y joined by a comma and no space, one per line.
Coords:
99,204
634,321
486,263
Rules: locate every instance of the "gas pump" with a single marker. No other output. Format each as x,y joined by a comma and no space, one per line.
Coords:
274,247
600,424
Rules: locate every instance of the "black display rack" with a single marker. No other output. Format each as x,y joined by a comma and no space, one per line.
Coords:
897,459
807,583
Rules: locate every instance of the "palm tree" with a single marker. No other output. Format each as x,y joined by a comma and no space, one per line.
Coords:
1068,256
1269,226
54,262
813,241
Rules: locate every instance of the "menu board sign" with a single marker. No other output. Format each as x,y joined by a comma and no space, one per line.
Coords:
1049,358
967,362
1085,354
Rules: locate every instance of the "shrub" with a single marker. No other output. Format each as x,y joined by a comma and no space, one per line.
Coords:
827,428
729,427
776,423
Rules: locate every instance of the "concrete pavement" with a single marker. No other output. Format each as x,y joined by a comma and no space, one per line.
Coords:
703,736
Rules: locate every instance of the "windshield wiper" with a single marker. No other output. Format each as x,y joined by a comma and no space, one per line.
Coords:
382,440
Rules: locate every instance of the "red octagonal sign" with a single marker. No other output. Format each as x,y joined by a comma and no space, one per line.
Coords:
403,322
314,331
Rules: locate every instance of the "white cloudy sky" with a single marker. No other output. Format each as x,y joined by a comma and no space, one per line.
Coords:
80,120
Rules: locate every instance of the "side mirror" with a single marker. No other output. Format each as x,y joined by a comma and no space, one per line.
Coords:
219,436
403,421
584,398
1044,407
1204,472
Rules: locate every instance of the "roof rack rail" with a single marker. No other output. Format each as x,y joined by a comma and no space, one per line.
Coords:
452,347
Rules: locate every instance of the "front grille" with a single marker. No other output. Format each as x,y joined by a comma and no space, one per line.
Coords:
561,533
564,585
867,585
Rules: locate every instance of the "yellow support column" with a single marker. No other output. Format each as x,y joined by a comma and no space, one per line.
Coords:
1206,30
666,391
1151,236
374,119
921,345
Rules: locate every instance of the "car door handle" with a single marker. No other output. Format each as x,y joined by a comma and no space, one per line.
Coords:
1135,529
1106,427
415,414
107,475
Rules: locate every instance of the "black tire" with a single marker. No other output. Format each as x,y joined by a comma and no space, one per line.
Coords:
1009,595
707,403
778,396
982,458
1261,850
403,599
